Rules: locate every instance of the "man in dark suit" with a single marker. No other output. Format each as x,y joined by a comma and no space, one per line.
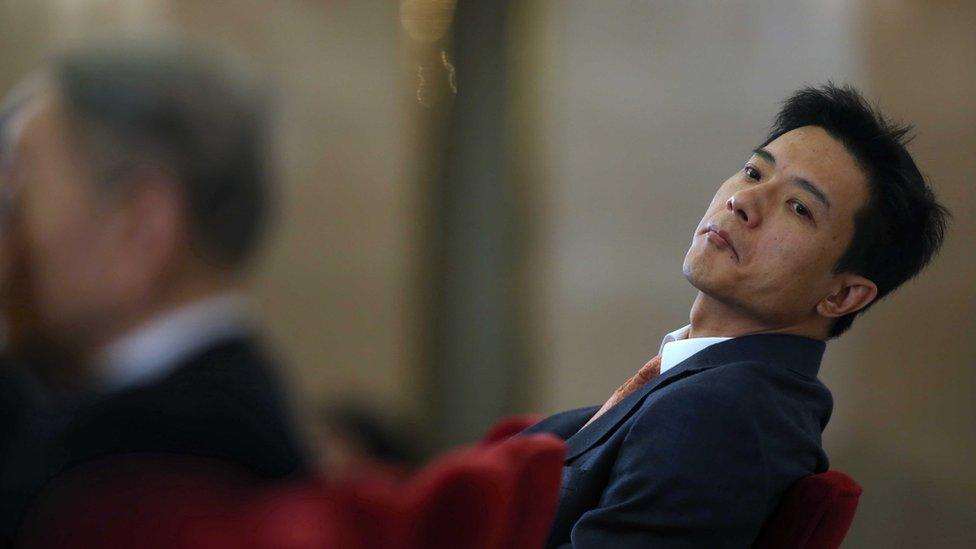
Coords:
136,191
829,214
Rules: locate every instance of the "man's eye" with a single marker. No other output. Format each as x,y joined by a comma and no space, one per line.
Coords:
751,173
800,209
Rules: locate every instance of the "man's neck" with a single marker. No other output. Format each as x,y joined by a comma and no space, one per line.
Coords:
160,305
710,317
156,347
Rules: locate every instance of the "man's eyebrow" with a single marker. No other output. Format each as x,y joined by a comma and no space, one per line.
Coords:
764,154
812,189
798,181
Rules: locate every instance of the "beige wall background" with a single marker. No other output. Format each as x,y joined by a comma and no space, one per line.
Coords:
624,117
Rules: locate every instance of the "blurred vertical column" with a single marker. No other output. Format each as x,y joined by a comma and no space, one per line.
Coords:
471,237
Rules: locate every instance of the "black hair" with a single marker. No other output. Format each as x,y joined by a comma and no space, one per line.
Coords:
901,226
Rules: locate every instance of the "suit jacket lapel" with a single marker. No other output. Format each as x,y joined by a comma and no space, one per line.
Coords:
590,435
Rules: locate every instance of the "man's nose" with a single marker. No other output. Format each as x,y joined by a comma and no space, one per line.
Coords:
746,208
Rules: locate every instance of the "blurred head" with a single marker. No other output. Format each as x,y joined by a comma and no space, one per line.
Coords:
140,176
828,215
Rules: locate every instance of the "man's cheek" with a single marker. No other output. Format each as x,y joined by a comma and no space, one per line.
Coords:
805,271
792,262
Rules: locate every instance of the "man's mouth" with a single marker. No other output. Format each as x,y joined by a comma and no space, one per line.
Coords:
720,238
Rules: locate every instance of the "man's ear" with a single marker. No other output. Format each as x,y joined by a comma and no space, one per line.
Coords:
151,227
855,293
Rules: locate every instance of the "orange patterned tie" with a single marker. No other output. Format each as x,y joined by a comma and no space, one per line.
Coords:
647,372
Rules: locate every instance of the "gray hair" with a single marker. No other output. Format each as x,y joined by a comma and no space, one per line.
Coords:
13,115
202,119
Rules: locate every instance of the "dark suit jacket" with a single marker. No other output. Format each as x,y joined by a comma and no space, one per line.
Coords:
223,403
699,457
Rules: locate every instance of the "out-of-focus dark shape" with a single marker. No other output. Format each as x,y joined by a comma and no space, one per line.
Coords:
140,192
15,401
355,441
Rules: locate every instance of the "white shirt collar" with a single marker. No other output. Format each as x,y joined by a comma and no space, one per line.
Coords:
156,348
678,347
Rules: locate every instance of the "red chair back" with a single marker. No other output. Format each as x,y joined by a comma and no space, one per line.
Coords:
536,461
462,499
141,500
305,515
815,514
491,496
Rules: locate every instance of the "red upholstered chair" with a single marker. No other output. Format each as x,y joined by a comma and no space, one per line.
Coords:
171,501
141,501
509,426
307,515
815,514
486,497
536,462
462,499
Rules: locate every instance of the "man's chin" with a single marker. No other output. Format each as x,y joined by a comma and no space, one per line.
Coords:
708,282
690,265
697,271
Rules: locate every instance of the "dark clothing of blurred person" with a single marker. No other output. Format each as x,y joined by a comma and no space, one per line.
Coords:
197,383
827,216
207,390
15,402
138,192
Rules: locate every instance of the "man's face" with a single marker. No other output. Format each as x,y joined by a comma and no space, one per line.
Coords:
59,226
770,238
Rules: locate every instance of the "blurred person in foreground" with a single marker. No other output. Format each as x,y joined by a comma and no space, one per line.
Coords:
828,214
138,190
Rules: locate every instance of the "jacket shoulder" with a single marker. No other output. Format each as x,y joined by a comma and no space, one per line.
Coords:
226,404
750,384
